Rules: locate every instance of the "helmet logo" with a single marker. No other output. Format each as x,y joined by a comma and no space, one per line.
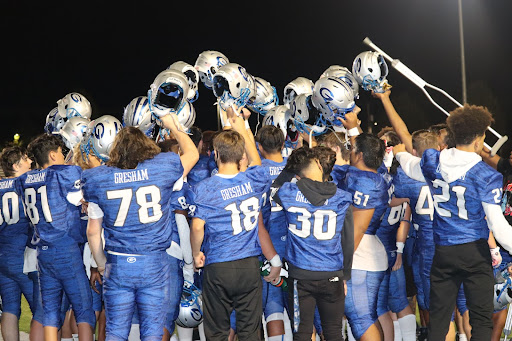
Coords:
76,97
196,314
221,61
243,72
326,94
358,64
131,259
99,131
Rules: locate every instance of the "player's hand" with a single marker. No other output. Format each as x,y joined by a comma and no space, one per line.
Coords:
382,95
275,272
101,270
95,277
235,118
199,260
188,273
351,120
399,148
171,122
398,262
496,257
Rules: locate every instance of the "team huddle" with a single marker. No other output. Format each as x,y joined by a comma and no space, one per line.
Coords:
305,225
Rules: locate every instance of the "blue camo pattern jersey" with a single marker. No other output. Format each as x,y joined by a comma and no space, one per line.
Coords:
48,194
369,190
230,207
420,198
200,171
389,226
273,215
135,203
459,216
314,232
14,224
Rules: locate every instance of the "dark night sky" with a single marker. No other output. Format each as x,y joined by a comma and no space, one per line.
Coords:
111,53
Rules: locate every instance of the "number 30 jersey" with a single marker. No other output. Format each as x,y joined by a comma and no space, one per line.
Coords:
314,232
459,216
135,203
52,202
230,207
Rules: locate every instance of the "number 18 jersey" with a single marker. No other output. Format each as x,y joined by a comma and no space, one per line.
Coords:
230,207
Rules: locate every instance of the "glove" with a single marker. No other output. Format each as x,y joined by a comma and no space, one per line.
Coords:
188,273
496,257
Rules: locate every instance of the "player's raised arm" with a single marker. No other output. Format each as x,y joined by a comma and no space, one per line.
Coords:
190,155
238,124
410,163
394,118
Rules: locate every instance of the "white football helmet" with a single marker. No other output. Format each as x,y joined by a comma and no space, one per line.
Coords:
233,85
278,117
207,64
137,114
54,122
167,94
306,117
266,97
187,118
74,130
370,71
333,98
345,75
101,133
74,104
191,307
502,295
192,76
298,86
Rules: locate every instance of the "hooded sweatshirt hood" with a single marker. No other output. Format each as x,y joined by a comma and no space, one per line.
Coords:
454,163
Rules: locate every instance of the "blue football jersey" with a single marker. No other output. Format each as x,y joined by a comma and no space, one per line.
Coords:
230,207
313,241
135,203
420,199
52,203
389,226
273,214
200,171
14,224
459,216
369,190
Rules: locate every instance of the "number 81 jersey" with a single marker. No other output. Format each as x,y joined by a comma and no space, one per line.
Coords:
135,203
51,197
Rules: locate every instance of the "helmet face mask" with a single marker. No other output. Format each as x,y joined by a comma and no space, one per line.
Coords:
167,94
266,97
207,64
233,85
502,295
192,78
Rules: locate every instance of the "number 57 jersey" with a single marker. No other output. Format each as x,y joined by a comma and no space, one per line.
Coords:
230,207
135,203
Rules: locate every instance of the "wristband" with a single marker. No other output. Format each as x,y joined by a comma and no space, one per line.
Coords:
276,261
496,249
400,247
353,132
407,221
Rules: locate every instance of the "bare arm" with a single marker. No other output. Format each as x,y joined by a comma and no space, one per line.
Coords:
238,124
362,220
196,240
190,154
268,250
94,230
396,121
351,121
488,159
401,236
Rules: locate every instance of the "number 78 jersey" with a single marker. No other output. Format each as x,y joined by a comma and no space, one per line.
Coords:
230,208
135,203
459,216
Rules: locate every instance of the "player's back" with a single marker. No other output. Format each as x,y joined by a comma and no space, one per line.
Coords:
314,238
459,216
135,203
51,199
230,206
14,225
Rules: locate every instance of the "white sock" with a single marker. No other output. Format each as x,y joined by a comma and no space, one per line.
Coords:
408,327
463,337
202,337
185,334
349,333
398,331
134,333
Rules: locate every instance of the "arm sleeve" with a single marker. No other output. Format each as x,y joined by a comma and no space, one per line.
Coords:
184,232
94,211
347,243
411,165
498,225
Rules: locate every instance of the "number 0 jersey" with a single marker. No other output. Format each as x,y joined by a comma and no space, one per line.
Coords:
52,200
135,203
314,232
14,225
230,207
